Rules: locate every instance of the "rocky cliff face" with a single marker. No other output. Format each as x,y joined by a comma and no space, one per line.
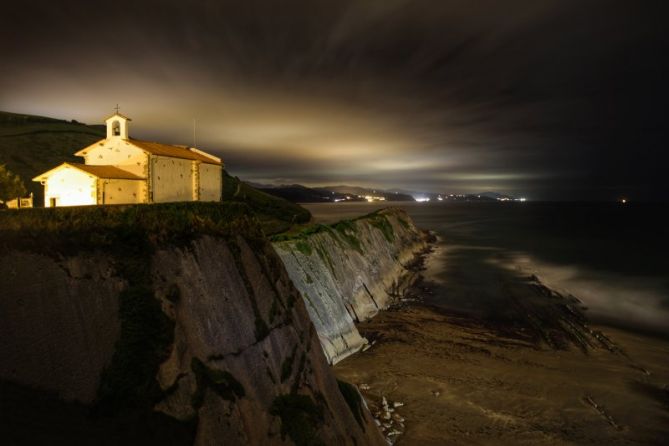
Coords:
175,324
347,272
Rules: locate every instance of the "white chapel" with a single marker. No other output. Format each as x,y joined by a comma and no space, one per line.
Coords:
121,170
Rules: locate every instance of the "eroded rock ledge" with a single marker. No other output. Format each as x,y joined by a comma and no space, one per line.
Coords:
161,324
348,271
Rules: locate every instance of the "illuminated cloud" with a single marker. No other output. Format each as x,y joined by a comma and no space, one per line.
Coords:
547,97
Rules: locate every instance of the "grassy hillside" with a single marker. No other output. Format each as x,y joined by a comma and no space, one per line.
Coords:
30,145
275,214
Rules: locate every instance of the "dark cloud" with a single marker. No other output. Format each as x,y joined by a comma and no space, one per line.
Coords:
554,99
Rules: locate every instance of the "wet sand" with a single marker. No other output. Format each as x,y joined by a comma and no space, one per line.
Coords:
462,383
495,357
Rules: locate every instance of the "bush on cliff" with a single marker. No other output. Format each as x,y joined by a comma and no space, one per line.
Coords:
66,229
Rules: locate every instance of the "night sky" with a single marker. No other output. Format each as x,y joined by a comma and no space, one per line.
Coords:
549,99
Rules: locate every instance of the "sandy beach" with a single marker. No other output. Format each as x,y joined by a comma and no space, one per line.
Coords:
463,384
526,369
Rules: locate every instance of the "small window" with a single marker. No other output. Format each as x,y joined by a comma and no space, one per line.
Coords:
116,128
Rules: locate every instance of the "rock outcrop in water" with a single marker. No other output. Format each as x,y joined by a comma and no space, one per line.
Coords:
347,272
168,324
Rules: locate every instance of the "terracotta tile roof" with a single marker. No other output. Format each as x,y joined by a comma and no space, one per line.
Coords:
109,172
106,172
156,148
119,115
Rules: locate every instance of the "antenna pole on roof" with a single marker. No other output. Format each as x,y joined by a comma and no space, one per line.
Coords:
194,146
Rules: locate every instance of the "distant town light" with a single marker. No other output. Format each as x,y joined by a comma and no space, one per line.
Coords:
371,198
623,201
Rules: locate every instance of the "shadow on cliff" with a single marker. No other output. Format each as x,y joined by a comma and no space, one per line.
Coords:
30,416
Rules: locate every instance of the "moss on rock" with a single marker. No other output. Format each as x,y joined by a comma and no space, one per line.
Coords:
304,247
380,222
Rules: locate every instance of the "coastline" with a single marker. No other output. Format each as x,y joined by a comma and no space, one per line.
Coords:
349,271
468,378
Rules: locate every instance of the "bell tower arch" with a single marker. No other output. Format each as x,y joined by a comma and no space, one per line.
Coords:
117,126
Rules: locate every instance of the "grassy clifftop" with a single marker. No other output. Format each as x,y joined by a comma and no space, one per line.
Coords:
378,219
99,227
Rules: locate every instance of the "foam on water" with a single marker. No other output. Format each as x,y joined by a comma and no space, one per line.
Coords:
638,302
613,258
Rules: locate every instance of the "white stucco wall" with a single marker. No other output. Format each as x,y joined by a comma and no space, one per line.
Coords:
116,191
210,182
70,187
116,152
171,179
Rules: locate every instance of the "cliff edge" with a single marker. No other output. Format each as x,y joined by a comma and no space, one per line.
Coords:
169,324
348,271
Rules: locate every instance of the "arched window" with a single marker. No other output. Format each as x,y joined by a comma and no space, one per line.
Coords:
116,128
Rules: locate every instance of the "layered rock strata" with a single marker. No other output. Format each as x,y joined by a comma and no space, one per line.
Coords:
172,323
349,271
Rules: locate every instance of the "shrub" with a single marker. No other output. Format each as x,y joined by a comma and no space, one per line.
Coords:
300,418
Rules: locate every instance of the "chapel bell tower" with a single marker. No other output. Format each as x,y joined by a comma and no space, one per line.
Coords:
117,126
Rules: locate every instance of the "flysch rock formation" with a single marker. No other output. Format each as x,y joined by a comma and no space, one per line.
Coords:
348,271
162,324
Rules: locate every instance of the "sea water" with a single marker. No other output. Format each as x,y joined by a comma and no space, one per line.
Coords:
611,256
